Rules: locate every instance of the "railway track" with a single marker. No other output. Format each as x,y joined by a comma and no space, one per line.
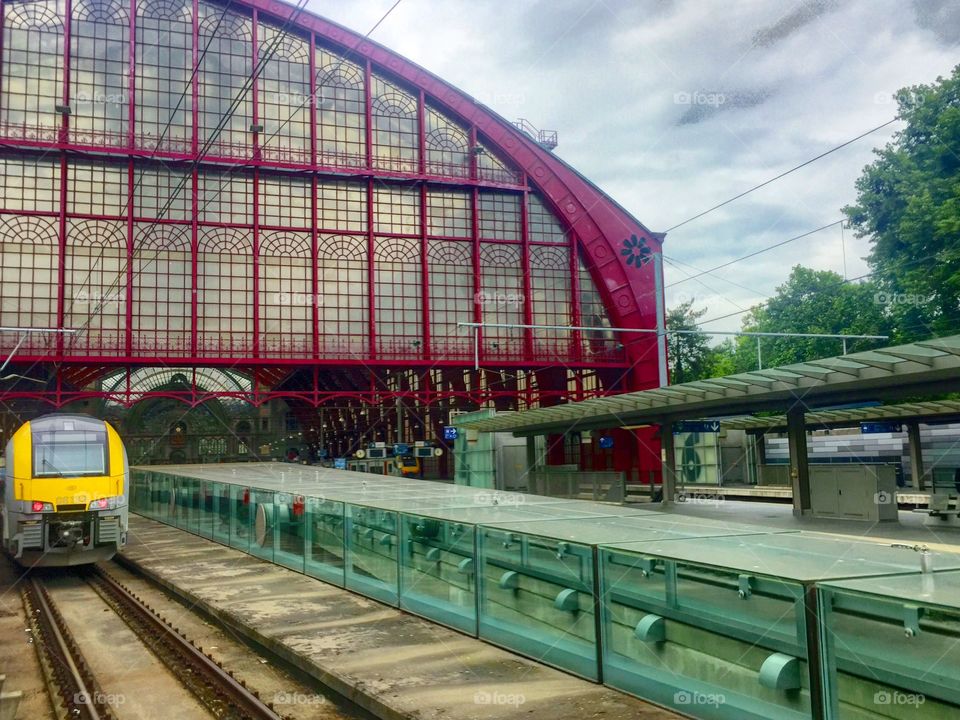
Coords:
74,685
68,676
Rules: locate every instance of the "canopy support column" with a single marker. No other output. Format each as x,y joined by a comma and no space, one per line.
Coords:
917,473
799,464
669,463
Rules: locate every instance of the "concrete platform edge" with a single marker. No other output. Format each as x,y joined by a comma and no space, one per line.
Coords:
351,692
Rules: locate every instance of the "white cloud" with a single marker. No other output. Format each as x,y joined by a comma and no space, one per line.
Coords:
796,79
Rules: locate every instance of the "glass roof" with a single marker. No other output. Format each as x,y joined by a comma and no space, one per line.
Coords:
458,503
648,527
803,557
936,588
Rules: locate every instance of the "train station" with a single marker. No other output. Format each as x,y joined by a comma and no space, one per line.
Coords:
328,390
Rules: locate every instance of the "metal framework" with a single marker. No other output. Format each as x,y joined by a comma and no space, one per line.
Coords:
929,367
195,184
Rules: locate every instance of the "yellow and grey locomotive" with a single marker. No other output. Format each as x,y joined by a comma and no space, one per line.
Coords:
64,492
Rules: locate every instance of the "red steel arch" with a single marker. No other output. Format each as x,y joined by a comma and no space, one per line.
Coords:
74,237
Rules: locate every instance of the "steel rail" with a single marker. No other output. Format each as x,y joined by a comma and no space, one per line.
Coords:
214,686
82,698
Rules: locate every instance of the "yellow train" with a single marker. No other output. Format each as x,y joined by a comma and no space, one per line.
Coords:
64,492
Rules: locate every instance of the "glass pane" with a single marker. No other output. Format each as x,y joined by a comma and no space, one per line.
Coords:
241,517
289,526
325,547
536,598
685,635
264,516
371,542
437,571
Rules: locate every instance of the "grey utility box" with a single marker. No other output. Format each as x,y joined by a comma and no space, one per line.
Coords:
854,491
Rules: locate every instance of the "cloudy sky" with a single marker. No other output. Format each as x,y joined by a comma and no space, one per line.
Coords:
672,106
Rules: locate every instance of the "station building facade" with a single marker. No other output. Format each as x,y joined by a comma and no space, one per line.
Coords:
247,202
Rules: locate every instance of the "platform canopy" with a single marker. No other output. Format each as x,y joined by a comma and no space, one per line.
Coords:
927,411
921,368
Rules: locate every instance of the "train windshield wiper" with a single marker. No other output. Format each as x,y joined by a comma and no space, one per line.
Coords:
48,464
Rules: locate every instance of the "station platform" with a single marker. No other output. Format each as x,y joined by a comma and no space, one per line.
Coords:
392,664
710,617
913,528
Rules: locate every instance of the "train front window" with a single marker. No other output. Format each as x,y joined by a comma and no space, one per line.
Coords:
67,454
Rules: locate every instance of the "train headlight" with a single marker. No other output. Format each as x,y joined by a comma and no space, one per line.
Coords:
37,506
107,503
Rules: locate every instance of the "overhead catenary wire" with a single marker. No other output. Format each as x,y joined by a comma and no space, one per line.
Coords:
782,175
757,252
281,35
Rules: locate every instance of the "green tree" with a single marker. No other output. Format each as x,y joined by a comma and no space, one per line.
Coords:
690,355
908,205
810,301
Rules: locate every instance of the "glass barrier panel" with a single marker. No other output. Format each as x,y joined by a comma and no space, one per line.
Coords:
289,528
371,544
325,540
221,512
241,517
889,657
437,571
537,598
703,641
205,519
264,517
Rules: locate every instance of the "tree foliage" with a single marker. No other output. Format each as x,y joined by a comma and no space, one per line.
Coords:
908,205
815,302
810,301
689,354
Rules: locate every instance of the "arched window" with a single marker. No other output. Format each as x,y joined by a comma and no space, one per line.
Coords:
395,133
225,292
284,96
501,298
28,276
95,296
164,89
99,72
161,289
344,316
399,297
448,146
341,112
226,100
450,268
33,54
285,294
550,288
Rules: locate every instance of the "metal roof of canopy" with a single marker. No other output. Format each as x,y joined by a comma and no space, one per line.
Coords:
940,410
931,366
